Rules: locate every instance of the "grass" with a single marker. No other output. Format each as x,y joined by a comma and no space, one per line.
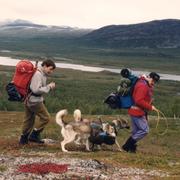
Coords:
3,168
85,90
154,152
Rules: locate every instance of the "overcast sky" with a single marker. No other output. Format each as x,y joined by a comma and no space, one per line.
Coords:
89,13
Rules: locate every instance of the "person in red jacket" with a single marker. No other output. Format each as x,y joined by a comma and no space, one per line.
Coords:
142,96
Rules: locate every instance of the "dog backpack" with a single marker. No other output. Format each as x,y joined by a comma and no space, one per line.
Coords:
122,98
19,87
98,136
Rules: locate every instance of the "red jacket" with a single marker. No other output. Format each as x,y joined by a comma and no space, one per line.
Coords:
142,96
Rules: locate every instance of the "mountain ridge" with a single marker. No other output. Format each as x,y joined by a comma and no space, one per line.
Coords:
22,28
153,34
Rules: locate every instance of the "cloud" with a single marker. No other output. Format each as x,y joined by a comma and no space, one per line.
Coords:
89,13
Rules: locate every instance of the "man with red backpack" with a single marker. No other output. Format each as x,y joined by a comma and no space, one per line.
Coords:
34,104
142,97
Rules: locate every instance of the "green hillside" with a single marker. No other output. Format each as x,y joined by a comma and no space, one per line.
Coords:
87,91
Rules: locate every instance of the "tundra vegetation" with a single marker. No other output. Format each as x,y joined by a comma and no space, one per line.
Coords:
86,91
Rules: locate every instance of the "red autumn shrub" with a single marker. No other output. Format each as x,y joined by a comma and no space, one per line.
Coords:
43,168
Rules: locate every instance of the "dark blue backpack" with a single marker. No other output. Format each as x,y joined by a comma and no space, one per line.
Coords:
98,136
13,93
122,98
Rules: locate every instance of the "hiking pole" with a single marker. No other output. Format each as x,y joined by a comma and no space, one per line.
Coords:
158,120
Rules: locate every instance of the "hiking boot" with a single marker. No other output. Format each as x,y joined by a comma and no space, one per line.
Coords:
133,148
23,139
130,145
35,137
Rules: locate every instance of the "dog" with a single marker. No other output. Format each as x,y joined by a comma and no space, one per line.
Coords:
73,131
100,132
120,123
104,134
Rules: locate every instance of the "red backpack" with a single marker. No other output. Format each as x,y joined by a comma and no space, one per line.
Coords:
19,87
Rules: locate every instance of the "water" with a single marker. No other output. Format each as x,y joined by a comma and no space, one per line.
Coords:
12,62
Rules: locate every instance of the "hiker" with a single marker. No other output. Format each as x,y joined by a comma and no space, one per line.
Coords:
142,96
34,104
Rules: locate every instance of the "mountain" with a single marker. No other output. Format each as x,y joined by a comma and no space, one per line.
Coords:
15,22
154,34
26,29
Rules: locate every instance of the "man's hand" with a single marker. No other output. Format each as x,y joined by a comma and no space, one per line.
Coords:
52,85
154,109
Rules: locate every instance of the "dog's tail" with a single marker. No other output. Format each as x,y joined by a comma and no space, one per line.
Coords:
77,115
59,117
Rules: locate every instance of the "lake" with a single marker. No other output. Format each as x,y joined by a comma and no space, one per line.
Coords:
7,61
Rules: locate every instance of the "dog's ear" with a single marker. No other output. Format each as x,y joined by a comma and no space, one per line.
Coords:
100,119
113,122
118,122
115,125
106,127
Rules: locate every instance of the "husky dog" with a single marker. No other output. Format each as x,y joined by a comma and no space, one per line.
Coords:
120,123
106,135
107,132
73,130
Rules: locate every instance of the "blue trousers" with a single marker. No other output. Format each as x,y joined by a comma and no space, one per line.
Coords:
140,127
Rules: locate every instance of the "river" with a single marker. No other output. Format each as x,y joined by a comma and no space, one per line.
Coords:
7,61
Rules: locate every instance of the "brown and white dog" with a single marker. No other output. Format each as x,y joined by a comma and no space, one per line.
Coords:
111,129
81,130
98,128
120,123
106,136
73,131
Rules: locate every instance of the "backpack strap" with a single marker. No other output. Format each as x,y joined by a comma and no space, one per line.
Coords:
30,93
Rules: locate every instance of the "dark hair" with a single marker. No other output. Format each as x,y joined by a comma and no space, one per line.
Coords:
48,63
154,76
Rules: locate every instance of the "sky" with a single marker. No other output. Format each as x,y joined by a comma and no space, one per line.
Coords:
89,13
